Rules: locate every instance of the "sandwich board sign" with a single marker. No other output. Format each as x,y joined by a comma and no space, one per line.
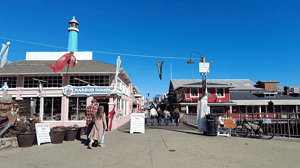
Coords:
42,133
137,123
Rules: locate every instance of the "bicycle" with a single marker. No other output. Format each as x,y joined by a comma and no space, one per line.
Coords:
258,128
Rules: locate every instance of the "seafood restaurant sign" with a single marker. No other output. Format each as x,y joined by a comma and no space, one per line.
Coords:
86,90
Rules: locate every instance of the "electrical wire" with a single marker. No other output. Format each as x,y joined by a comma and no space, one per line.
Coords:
101,52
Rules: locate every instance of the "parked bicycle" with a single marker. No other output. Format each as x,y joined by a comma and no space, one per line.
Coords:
247,128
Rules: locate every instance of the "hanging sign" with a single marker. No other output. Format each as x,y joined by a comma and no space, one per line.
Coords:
86,90
137,123
42,133
203,67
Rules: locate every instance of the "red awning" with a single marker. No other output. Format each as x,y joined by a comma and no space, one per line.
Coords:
134,103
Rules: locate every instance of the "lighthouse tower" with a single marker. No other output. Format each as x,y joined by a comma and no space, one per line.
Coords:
73,35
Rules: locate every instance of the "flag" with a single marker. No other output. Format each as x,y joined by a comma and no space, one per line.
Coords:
3,54
159,66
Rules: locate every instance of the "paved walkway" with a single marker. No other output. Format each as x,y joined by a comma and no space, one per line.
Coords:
160,146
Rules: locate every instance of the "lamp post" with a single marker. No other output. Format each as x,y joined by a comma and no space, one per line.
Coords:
203,69
202,107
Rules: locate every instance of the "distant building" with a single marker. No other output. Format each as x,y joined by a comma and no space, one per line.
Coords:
240,96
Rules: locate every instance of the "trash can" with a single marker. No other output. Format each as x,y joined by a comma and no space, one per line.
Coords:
212,124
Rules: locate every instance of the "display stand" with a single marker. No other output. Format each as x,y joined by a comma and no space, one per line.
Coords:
137,123
225,126
42,133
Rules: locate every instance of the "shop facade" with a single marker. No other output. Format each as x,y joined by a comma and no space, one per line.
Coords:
61,98
237,97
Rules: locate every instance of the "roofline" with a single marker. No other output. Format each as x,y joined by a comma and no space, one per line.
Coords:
57,73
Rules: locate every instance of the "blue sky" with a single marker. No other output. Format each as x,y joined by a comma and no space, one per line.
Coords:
250,39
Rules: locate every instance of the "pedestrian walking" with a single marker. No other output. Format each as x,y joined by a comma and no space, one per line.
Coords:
159,116
98,128
176,115
90,111
167,116
145,111
172,115
153,114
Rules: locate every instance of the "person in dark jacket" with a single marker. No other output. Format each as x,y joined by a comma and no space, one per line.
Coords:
176,116
159,116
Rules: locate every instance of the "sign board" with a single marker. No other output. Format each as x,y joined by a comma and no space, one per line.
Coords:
267,121
137,123
42,133
89,90
203,67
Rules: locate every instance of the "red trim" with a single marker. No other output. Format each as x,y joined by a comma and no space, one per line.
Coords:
134,103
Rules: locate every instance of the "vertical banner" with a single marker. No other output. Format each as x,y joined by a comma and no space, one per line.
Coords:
202,110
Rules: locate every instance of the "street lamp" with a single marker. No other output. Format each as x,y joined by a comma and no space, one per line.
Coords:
203,69
202,107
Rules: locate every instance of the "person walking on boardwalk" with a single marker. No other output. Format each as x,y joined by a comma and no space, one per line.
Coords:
159,116
98,128
153,114
90,111
167,116
145,111
176,116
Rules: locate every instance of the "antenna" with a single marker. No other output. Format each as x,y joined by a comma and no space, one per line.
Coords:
171,69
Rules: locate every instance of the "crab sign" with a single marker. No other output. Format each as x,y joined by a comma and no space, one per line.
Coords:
67,59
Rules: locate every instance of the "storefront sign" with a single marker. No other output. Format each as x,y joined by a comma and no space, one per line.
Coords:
267,121
137,123
42,133
86,90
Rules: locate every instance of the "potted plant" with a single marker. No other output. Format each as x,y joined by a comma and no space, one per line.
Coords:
57,134
24,130
71,132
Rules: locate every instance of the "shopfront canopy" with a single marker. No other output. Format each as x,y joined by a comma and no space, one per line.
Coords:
286,102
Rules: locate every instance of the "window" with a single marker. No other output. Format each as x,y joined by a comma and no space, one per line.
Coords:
220,92
46,81
194,92
11,81
52,109
77,108
89,80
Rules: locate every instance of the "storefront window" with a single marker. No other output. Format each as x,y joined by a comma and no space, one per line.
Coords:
249,109
46,81
11,81
77,108
89,80
220,92
52,109
242,109
194,92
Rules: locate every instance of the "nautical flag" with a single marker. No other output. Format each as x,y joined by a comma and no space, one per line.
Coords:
5,87
117,72
159,66
3,54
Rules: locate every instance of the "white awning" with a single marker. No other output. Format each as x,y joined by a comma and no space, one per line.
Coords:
250,102
286,102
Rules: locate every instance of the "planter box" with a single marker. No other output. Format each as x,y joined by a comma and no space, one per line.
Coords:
57,137
71,135
8,143
26,139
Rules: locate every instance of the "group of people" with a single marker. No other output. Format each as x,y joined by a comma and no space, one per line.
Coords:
157,114
96,124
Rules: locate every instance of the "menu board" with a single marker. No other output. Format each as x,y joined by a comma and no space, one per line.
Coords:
42,133
137,123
